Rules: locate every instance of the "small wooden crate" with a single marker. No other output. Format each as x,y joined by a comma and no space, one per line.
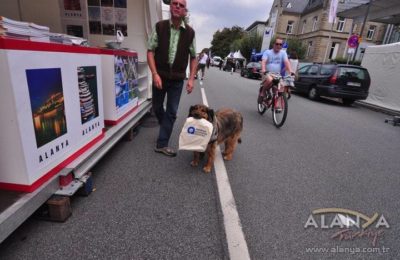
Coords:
59,208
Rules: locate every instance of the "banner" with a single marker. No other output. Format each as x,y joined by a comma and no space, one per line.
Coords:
332,11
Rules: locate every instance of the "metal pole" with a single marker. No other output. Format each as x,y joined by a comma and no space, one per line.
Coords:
362,28
347,44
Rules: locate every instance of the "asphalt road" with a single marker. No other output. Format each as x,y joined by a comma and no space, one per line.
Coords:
147,206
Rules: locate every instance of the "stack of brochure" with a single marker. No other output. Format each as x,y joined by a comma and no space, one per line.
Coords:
34,32
23,30
39,32
67,39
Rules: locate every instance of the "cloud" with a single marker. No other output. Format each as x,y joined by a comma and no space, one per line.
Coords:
208,16
201,20
203,24
249,4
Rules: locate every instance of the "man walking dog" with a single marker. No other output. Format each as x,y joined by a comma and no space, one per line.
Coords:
170,46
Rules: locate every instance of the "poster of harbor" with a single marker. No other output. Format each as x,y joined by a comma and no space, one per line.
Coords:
126,80
88,95
47,104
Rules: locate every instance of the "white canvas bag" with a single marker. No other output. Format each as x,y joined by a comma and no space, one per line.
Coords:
195,135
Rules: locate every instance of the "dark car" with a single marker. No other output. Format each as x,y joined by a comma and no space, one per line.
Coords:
348,82
251,70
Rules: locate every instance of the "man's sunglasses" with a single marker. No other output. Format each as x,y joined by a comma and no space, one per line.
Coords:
279,44
176,4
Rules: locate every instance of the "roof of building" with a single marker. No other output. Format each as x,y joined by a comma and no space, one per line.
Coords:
254,25
382,11
295,6
313,5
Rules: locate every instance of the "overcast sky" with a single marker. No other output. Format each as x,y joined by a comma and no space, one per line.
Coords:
208,16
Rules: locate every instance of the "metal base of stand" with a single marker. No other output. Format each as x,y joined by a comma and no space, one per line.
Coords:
395,121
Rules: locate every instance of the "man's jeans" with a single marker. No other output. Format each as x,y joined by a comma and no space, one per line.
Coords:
166,118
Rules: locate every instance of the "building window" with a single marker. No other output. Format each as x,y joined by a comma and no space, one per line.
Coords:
303,29
315,22
309,49
289,28
334,50
371,32
340,24
355,27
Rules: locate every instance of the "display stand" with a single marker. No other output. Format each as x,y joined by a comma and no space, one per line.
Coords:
16,207
143,80
51,108
121,84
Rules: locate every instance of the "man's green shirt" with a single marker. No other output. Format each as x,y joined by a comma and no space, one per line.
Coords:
173,42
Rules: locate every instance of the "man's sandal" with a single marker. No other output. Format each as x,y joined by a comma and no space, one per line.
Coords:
166,151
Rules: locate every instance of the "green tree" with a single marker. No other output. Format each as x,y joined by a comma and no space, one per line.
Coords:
250,42
295,45
235,45
222,40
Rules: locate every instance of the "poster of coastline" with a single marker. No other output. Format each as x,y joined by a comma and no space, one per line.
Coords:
126,79
88,98
47,104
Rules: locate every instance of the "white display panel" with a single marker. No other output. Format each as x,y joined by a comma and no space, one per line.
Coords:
120,88
54,110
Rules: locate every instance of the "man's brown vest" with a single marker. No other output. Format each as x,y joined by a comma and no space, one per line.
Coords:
178,69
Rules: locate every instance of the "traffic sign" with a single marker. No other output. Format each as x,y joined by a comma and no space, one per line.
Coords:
353,41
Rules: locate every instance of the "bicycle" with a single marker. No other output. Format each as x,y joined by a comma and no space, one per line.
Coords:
277,99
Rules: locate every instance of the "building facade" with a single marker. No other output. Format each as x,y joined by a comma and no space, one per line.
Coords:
256,28
309,22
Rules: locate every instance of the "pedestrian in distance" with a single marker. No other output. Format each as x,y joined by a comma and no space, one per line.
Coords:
202,59
208,62
221,62
168,63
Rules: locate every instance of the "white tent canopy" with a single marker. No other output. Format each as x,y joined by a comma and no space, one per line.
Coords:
383,64
238,55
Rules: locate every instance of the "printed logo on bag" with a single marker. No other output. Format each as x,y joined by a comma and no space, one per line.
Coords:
191,130
196,131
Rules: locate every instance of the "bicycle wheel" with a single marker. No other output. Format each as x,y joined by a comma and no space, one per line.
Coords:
261,108
279,109
260,105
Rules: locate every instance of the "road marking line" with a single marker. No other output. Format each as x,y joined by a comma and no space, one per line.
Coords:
237,245
203,96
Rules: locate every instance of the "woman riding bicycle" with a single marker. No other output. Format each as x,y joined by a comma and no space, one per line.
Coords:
272,61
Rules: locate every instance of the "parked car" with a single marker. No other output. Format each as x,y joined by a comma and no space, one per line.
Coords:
348,82
251,70
302,64
215,61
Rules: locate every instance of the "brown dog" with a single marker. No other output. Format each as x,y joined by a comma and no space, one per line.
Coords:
228,124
